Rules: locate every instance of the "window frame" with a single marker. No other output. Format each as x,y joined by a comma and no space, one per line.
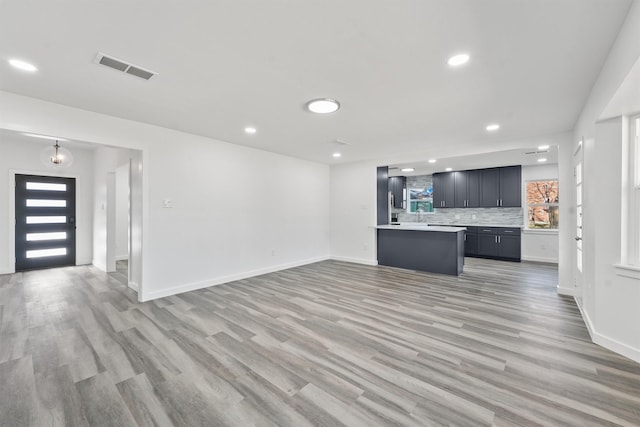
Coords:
527,205
409,200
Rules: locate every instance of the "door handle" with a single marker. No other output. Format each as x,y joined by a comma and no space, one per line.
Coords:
578,238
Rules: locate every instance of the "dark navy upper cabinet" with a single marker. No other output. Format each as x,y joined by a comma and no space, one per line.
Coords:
511,186
397,186
444,190
501,187
467,189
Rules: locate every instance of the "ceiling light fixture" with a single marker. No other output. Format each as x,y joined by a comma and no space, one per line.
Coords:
432,160
543,147
23,65
458,60
56,156
407,169
250,130
52,138
323,105
493,127
542,160
448,169
337,155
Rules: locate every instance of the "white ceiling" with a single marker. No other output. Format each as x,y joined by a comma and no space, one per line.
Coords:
224,65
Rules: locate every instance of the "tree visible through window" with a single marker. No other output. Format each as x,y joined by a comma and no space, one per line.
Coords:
542,204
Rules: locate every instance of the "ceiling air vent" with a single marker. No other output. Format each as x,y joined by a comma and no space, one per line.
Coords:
125,67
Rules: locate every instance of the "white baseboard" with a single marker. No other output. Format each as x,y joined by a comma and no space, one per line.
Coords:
122,257
99,265
355,260
617,347
539,259
7,271
606,342
148,296
571,292
134,286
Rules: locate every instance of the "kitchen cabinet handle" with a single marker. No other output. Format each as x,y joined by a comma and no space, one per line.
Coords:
496,239
497,202
500,202
499,239
508,231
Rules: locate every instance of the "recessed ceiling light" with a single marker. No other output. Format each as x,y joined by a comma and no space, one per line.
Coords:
448,169
22,65
337,155
250,130
458,60
493,127
407,170
52,138
432,160
543,147
542,160
323,105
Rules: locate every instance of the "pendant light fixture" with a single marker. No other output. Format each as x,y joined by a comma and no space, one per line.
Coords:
57,156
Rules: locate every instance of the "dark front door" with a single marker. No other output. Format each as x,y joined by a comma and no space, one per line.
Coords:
45,222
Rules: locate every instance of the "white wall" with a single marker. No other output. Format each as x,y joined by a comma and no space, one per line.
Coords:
539,245
611,303
24,157
122,212
353,213
237,211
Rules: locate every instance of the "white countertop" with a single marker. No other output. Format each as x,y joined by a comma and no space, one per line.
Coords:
421,227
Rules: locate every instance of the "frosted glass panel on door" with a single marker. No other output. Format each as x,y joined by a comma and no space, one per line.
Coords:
36,237
42,203
39,253
46,186
46,219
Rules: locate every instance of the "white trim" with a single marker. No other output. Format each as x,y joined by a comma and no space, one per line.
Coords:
630,271
552,232
99,266
122,257
7,271
617,347
571,292
148,296
539,259
586,319
134,286
355,260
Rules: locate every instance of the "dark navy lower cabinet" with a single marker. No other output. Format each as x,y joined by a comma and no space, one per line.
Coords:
499,243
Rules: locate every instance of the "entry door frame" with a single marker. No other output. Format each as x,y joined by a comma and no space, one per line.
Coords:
12,209
577,227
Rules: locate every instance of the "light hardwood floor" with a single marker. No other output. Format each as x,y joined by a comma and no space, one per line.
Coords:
327,344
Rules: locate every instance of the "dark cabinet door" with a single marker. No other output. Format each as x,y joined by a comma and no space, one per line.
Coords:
510,186
473,188
470,244
490,188
449,185
396,187
461,189
509,246
438,190
444,190
488,244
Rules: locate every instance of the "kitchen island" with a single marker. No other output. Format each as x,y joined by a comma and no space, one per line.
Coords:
435,249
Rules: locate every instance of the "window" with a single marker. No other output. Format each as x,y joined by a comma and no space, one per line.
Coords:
542,204
420,200
633,218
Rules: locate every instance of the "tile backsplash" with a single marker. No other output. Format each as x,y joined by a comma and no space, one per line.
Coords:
506,217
